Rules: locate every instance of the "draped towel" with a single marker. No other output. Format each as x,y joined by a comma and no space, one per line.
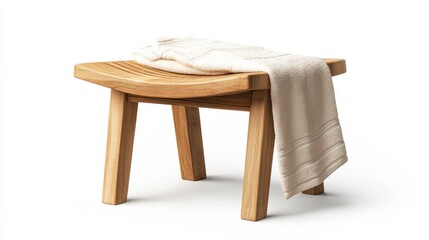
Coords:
308,135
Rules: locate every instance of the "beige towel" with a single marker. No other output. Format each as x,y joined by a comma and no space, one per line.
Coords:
309,141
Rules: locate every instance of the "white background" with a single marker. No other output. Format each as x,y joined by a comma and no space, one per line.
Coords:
53,126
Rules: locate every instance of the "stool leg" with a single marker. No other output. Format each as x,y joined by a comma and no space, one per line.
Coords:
315,190
259,156
189,142
120,139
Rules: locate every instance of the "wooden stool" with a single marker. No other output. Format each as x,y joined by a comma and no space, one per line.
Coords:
132,83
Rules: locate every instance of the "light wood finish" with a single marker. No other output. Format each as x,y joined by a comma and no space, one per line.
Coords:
259,156
189,142
337,66
134,78
120,139
132,83
315,190
240,101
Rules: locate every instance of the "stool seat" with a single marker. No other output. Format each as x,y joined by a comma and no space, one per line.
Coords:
133,78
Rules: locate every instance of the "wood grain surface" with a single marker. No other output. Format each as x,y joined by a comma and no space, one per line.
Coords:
137,79
120,140
259,157
189,142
